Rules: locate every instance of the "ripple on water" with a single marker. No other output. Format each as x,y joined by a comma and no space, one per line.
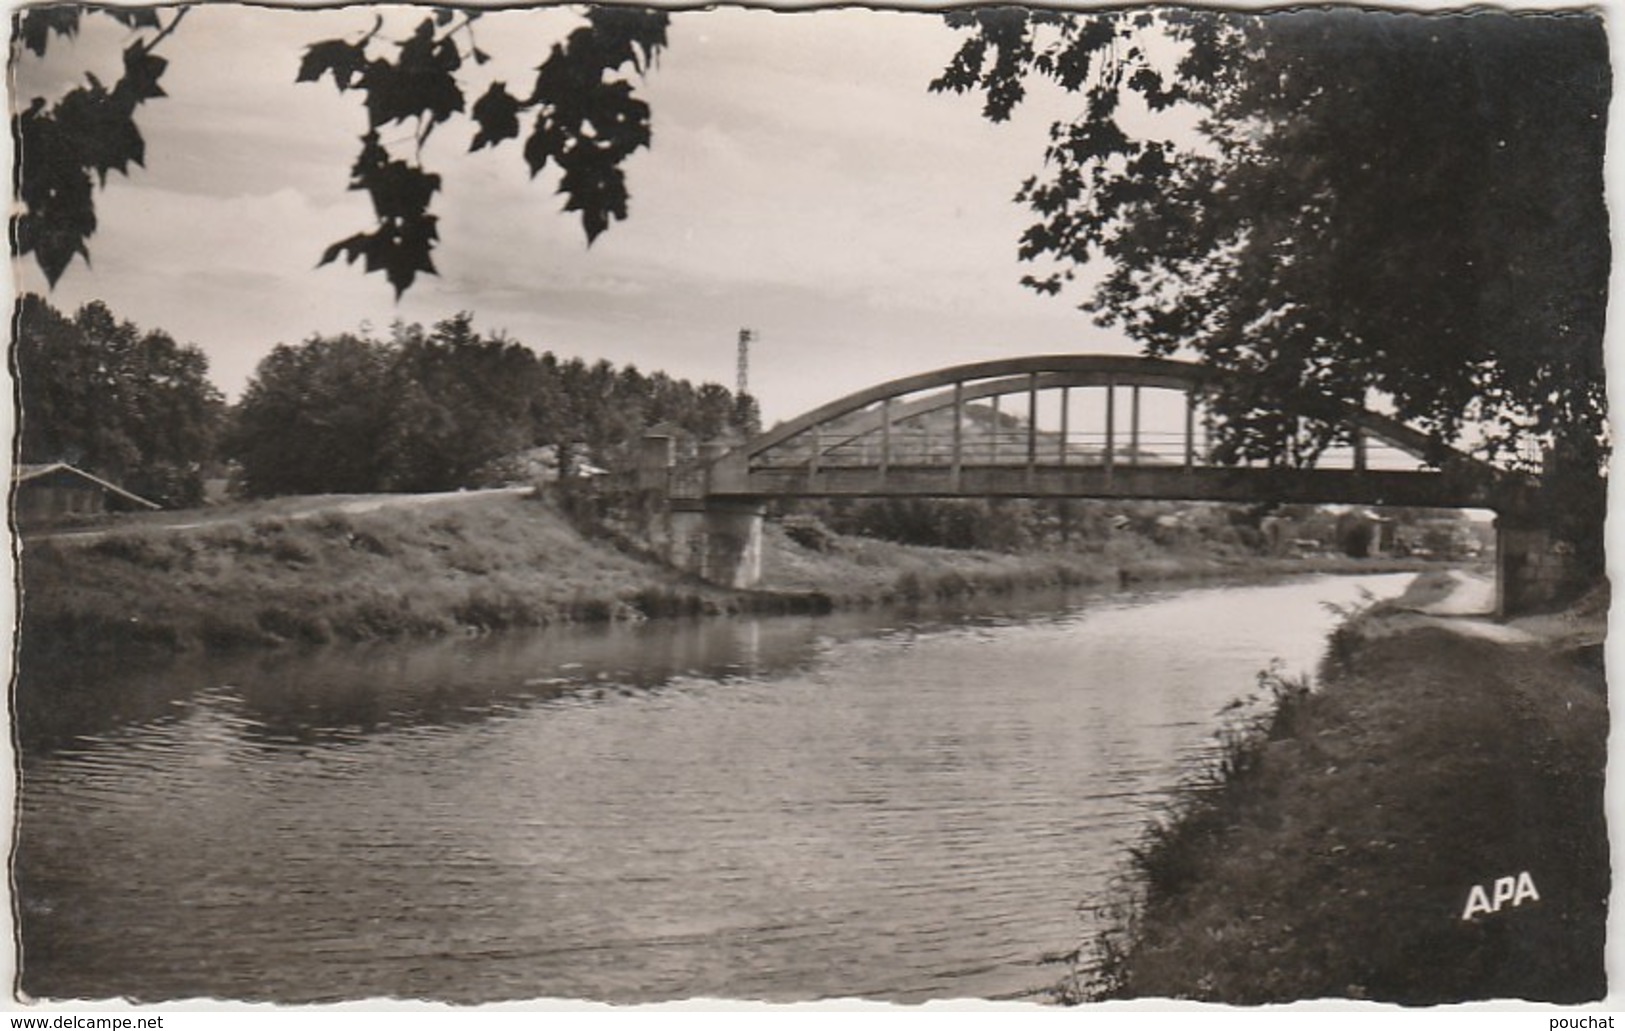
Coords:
814,809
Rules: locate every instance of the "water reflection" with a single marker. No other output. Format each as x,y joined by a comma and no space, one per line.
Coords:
338,692
894,805
341,692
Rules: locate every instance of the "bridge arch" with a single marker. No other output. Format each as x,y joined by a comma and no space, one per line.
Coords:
808,443
715,507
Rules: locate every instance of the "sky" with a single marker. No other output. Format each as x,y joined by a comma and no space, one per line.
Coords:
802,182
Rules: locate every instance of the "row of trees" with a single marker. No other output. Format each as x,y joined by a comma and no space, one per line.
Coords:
437,409
419,410
99,393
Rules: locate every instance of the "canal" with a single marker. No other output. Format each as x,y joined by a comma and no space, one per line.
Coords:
900,806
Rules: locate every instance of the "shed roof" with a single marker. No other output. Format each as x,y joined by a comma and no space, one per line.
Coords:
24,473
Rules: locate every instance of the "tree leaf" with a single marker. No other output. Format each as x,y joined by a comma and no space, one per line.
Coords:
419,83
497,113
37,23
344,61
142,70
134,17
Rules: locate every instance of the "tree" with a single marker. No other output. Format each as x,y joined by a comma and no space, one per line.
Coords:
462,401
587,121
125,404
1372,204
317,418
440,409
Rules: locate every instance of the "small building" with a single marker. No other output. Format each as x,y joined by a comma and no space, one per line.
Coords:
43,494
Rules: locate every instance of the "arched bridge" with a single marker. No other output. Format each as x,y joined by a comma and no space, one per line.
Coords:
1070,426
1051,426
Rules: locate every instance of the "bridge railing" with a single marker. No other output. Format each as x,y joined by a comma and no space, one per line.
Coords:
1018,447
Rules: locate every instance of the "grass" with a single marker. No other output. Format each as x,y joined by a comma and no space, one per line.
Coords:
303,571
1329,849
862,571
491,564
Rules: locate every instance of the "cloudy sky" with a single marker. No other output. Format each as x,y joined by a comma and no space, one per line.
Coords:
802,183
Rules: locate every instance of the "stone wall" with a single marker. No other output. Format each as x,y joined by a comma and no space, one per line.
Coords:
1534,572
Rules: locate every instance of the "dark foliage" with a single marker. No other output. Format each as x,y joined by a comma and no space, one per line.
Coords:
131,406
587,121
447,408
1372,202
89,130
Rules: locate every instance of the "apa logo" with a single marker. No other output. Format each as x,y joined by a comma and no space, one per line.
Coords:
1515,890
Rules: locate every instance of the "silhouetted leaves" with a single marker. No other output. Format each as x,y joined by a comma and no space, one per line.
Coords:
589,125
497,113
401,191
343,60
586,121
35,25
135,17
141,73
419,84
58,208
90,129
102,131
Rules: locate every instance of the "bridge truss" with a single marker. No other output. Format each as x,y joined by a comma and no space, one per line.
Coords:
1074,426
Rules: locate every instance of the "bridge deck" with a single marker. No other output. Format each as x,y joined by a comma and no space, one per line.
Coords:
1423,488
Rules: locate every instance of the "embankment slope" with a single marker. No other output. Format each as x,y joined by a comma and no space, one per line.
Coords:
315,570
1338,858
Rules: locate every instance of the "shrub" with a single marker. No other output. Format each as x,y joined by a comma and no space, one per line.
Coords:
146,550
808,531
294,625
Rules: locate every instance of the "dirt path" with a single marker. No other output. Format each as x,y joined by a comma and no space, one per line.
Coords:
303,507
1463,603
1469,594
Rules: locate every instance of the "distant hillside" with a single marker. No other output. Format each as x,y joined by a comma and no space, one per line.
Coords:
988,435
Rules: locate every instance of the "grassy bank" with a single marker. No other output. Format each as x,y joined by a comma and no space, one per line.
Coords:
862,571
1332,847
487,564
312,571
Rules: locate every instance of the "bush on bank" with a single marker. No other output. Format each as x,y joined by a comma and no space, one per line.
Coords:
1331,849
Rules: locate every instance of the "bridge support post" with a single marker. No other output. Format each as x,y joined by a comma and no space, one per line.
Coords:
959,433
1134,427
718,540
1109,455
1532,572
1066,417
1190,429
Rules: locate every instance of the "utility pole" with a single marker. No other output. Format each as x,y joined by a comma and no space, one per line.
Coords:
745,337
747,418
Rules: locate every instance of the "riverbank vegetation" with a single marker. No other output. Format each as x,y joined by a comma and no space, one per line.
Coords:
1332,847
442,409
277,573
491,562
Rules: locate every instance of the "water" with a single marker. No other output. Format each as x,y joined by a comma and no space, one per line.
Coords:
873,805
